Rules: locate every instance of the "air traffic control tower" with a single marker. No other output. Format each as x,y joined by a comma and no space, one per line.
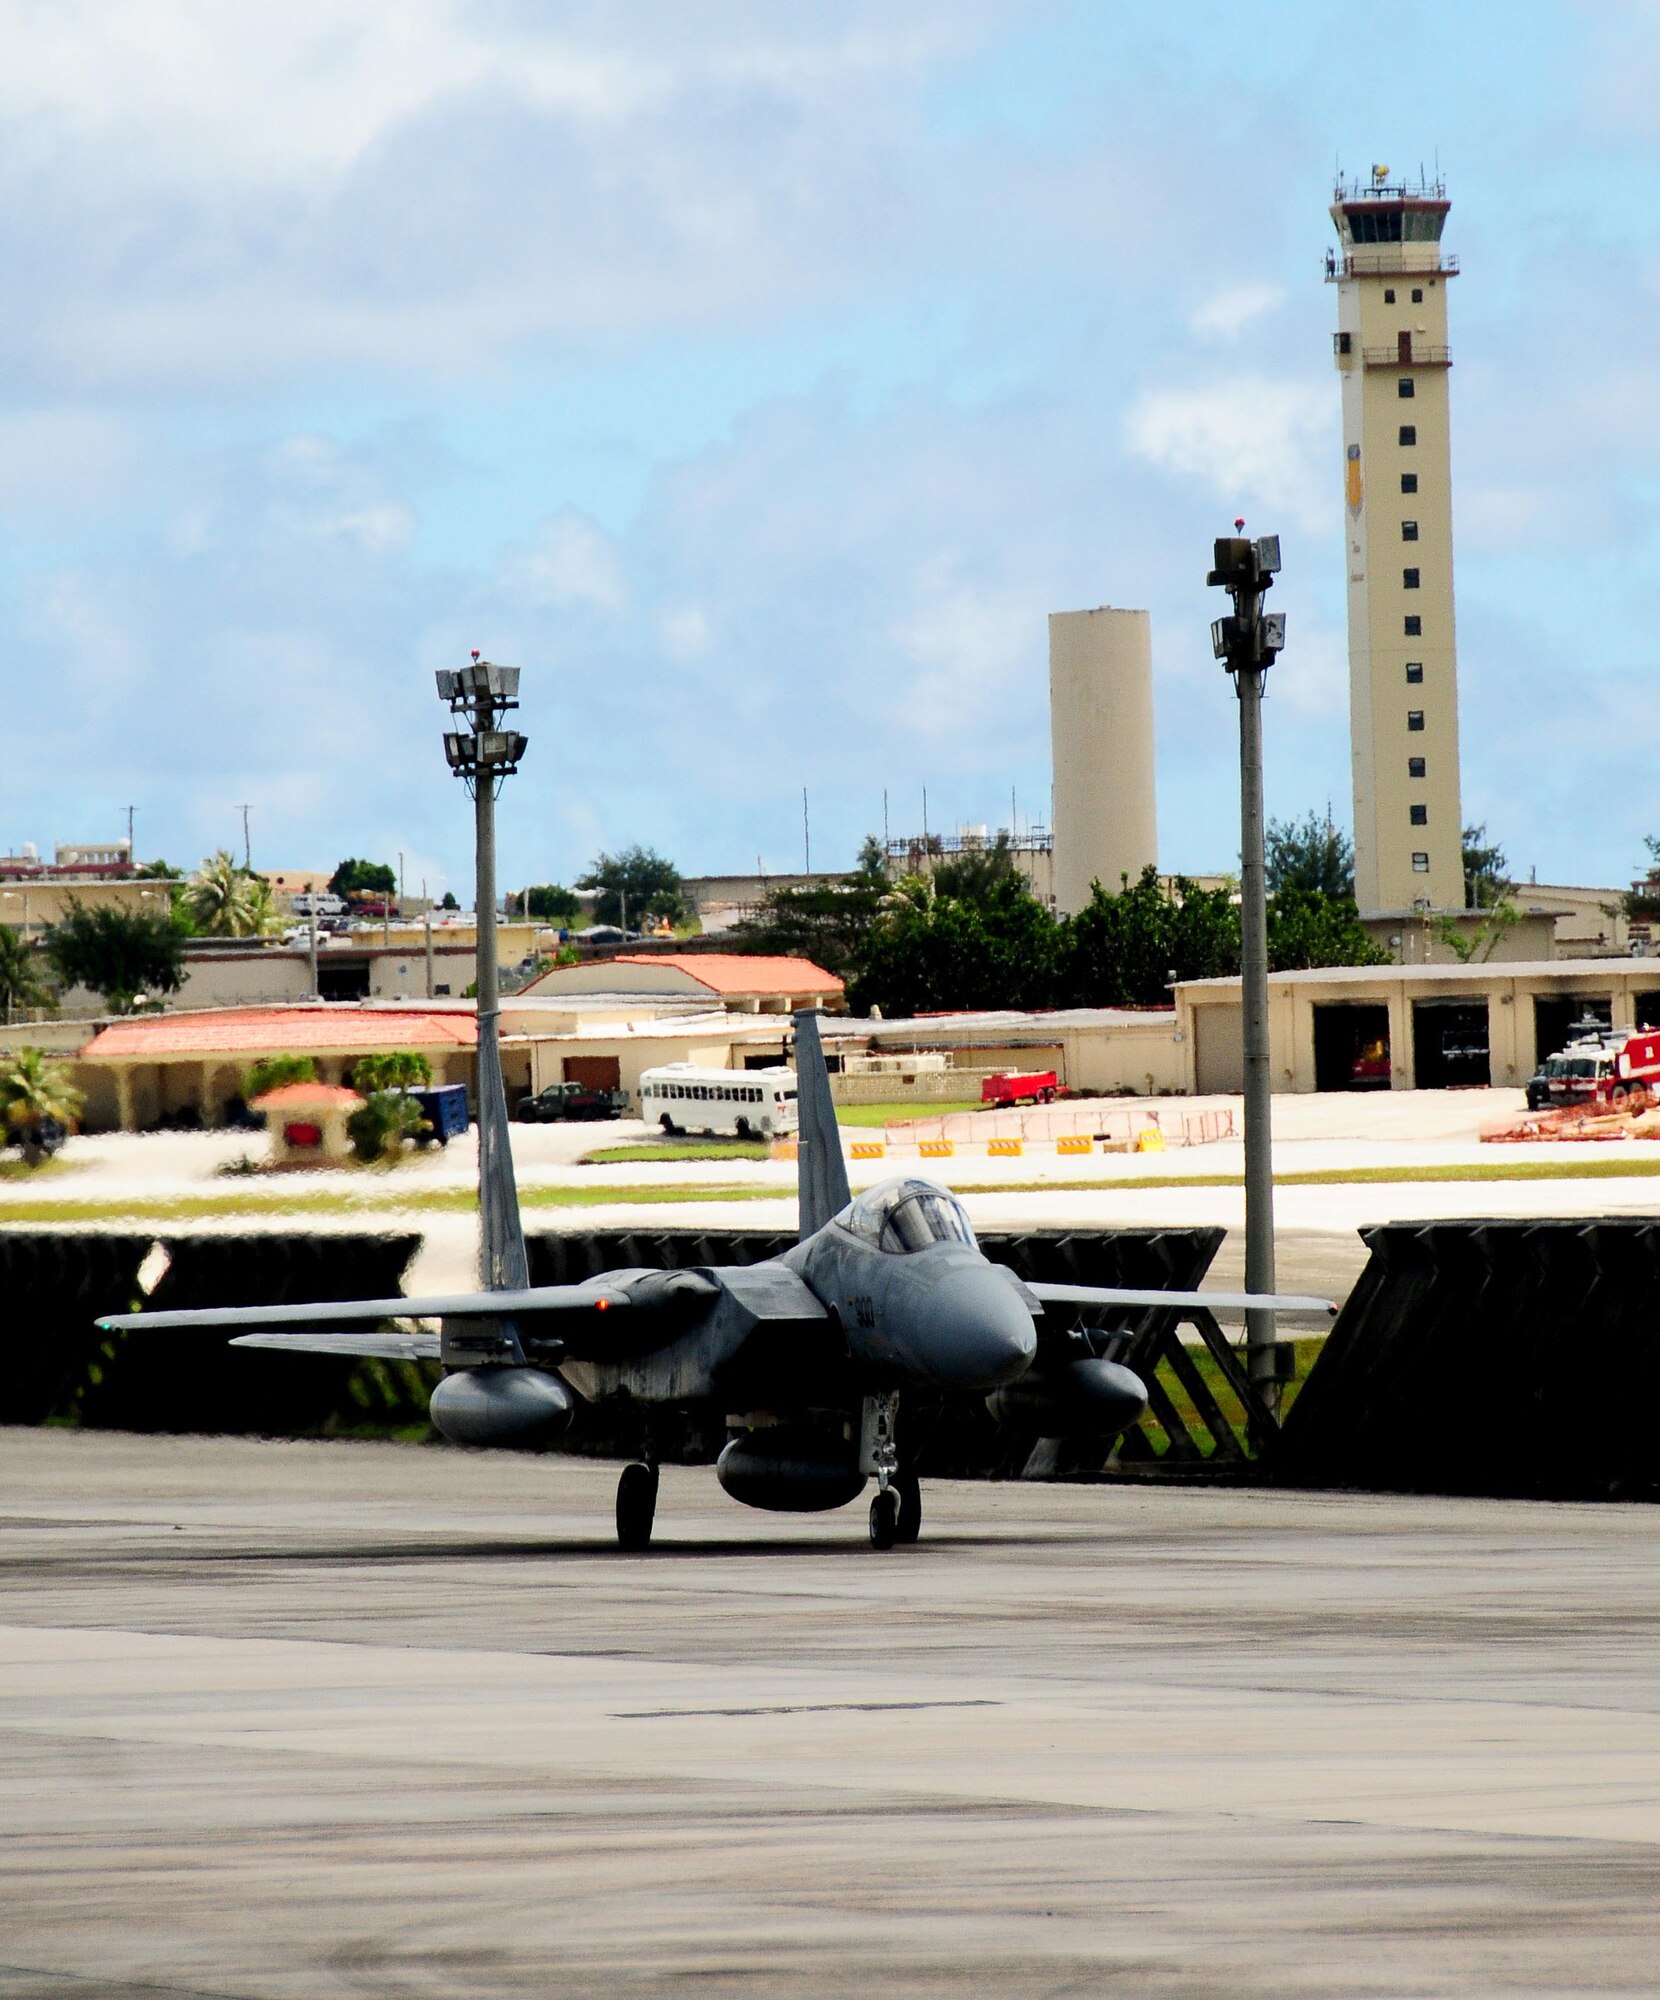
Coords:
1392,356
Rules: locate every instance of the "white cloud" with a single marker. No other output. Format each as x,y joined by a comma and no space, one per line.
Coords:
570,562
1227,313
969,643
1259,444
684,632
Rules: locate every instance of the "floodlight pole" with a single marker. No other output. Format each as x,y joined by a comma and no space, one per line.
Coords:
1248,643
483,757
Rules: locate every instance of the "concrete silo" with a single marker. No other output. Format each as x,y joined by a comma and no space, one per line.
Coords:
1101,722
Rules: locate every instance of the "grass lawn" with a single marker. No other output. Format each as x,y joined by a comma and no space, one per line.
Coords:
382,1201
865,1115
690,1149
1308,1352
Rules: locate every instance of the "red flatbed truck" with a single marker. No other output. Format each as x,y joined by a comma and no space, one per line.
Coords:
1011,1086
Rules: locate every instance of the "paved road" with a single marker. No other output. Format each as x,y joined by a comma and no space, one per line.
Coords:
318,1720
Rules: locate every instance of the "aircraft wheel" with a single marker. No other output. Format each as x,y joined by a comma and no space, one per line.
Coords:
636,1506
884,1520
910,1510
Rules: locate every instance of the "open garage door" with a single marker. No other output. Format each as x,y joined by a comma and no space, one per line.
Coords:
1559,1020
1351,1047
1450,1039
1218,1050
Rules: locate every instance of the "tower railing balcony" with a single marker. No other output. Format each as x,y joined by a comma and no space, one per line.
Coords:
1386,260
1418,355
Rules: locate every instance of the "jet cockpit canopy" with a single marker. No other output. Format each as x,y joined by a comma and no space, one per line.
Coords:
900,1216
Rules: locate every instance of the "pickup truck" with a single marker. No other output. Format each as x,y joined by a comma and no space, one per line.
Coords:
556,1101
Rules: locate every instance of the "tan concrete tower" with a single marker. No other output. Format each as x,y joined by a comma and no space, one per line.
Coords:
1392,356
1101,723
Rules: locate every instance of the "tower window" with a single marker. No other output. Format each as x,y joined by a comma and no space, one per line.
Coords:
1415,718
1409,579
1415,767
1406,388
1345,343
1420,864
1414,672
1409,433
1417,295
1409,482
1389,296
1409,531
1419,815
1414,626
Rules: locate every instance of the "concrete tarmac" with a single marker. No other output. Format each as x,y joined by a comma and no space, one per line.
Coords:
331,1719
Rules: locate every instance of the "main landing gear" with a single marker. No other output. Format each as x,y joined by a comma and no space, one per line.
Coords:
636,1506
896,1512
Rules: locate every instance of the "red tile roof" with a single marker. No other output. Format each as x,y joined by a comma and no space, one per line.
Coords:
304,1096
282,1030
726,972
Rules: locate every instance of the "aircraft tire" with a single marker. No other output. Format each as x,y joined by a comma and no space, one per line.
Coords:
910,1510
884,1520
636,1506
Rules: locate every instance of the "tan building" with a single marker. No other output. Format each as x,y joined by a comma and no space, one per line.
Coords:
1108,1050
1406,1027
1393,359
741,982
1101,729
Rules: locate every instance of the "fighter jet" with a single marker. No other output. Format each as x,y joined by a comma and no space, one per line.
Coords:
815,1360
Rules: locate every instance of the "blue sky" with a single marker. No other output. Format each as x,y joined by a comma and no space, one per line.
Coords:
756,379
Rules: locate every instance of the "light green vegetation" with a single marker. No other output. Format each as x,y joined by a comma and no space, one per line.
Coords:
20,1170
202,1207
694,1149
866,1115
1308,1352
1507,1170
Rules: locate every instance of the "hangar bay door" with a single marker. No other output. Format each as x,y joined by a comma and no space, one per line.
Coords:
1450,1043
1351,1046
1218,1050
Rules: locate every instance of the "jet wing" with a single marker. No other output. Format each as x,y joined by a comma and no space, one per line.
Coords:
596,1295
1109,1295
383,1346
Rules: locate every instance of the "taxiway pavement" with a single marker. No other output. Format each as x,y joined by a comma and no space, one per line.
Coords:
328,1719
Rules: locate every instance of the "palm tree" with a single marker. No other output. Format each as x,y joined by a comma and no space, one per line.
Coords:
22,983
37,1102
225,900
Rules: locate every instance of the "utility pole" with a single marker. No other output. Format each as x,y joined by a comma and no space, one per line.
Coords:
131,852
426,906
1248,643
483,756
806,836
247,847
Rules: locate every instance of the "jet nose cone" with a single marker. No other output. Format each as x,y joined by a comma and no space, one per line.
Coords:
984,1335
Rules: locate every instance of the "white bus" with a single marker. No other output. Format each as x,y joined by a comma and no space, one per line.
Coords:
743,1103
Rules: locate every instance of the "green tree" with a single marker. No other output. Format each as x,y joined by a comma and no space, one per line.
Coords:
633,885
224,899
399,1069
272,1072
1307,928
36,1096
978,875
116,953
552,903
1122,950
158,871
830,922
374,878
449,902
873,858
22,982
1002,952
1486,871
378,1128
1309,854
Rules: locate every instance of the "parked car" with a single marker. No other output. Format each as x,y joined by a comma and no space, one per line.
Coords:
557,1101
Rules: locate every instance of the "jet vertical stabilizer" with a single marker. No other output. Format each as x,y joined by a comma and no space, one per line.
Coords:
822,1173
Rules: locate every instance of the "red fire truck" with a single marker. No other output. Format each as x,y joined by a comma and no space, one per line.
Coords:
1606,1070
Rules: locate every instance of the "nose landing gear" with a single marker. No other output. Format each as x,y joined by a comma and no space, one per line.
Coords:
636,1506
